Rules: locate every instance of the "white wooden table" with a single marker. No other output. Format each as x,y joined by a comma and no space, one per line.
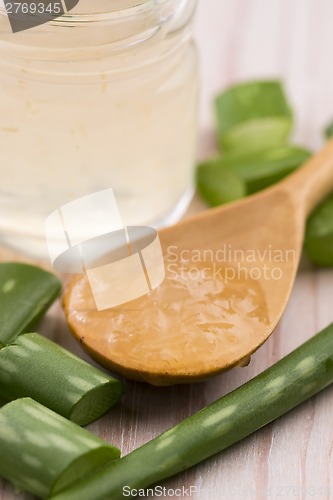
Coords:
292,457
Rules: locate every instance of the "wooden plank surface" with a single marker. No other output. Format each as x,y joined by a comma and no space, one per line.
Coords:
293,457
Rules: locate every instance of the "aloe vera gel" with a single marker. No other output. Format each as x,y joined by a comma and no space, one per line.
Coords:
97,100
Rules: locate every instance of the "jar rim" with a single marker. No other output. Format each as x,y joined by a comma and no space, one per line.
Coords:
135,8
119,13
140,25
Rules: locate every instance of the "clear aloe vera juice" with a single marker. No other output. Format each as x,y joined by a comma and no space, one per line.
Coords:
93,100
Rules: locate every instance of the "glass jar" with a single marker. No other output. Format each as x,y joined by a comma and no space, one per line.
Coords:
96,100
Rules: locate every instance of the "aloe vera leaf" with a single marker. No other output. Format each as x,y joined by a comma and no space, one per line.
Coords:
255,171
36,367
318,241
262,169
286,384
26,292
42,452
252,116
329,131
217,184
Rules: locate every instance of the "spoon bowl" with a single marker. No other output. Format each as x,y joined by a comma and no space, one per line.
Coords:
229,275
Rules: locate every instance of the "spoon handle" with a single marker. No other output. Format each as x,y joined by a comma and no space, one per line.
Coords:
314,180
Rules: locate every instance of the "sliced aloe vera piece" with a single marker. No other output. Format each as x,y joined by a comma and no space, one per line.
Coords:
38,368
253,116
262,169
329,131
218,184
26,292
256,171
42,452
319,234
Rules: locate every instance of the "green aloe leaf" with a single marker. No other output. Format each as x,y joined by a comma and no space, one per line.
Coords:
218,184
43,453
36,367
319,234
26,292
253,116
262,169
230,177
283,386
329,131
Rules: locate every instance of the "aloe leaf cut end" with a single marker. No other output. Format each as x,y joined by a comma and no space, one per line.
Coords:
36,367
253,116
43,453
218,184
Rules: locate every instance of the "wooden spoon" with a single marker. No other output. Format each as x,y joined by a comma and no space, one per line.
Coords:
229,274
